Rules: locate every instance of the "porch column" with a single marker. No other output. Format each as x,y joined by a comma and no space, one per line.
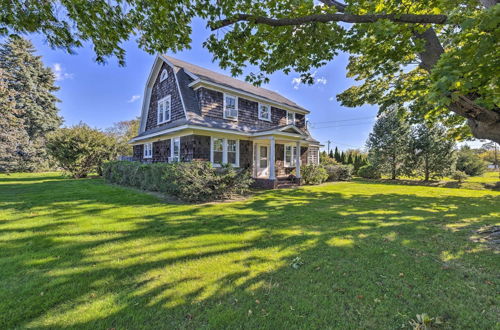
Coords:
297,161
272,173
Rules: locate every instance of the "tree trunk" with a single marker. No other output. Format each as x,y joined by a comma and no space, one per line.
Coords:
426,169
394,167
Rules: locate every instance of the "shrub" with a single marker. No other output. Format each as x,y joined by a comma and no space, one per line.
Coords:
339,172
313,174
470,163
80,149
193,182
326,160
369,172
459,176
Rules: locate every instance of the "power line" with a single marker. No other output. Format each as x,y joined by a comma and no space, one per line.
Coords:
342,120
333,126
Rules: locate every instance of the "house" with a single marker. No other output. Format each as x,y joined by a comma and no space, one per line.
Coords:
191,113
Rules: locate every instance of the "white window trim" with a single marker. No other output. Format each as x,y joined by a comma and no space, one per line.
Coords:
224,106
169,98
224,152
292,162
294,119
260,114
147,150
163,75
172,156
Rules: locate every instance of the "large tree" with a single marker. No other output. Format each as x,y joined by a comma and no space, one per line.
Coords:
432,152
388,143
31,101
123,132
436,55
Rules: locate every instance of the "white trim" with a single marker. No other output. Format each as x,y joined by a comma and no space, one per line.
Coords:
219,130
235,106
224,151
147,151
160,101
294,119
259,104
172,143
163,75
222,88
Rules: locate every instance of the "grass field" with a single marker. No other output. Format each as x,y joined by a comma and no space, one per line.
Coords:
84,254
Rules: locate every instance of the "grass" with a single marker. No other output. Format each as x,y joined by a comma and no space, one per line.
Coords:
84,254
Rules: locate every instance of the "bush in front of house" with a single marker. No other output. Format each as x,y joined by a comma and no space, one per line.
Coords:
313,174
196,181
369,171
339,172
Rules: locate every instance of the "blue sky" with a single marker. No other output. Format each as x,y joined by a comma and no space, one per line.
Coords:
100,95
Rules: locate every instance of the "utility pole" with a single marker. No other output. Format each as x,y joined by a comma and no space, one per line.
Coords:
331,142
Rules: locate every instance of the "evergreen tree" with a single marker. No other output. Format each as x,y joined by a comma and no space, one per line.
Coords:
432,152
342,158
33,103
330,154
388,143
336,155
12,134
350,160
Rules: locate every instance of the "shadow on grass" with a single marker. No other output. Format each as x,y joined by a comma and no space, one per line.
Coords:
84,254
434,183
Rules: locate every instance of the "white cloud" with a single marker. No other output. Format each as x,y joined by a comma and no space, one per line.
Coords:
296,83
134,98
317,81
331,98
60,72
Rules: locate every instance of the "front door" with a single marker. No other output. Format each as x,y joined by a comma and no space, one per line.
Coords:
263,162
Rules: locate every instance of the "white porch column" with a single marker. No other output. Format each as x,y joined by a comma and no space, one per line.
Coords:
272,173
297,161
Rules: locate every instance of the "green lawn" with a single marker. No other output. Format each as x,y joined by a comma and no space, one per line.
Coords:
84,254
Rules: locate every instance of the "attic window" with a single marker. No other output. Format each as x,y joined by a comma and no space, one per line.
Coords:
163,75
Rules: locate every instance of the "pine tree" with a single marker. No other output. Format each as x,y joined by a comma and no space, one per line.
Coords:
350,159
342,158
12,134
336,155
330,154
34,104
388,142
432,152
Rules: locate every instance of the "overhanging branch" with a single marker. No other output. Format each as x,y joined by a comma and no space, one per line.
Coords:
327,17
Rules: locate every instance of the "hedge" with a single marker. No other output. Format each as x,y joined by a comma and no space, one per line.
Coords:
196,181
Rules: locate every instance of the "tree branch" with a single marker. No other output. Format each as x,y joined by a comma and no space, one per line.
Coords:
325,18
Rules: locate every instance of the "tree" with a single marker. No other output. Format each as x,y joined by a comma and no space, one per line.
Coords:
454,44
13,137
388,143
343,158
432,152
124,131
491,153
81,149
32,104
330,154
469,162
336,155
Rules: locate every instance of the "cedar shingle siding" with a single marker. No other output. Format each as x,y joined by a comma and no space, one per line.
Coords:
159,91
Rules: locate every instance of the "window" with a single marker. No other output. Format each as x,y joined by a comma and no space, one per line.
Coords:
218,151
164,106
290,118
225,151
175,150
148,150
290,155
313,155
163,75
264,112
230,106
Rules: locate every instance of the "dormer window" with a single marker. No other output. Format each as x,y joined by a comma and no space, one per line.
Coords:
290,118
163,75
164,107
264,112
230,106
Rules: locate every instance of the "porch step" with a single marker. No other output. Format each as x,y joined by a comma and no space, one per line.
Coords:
284,183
